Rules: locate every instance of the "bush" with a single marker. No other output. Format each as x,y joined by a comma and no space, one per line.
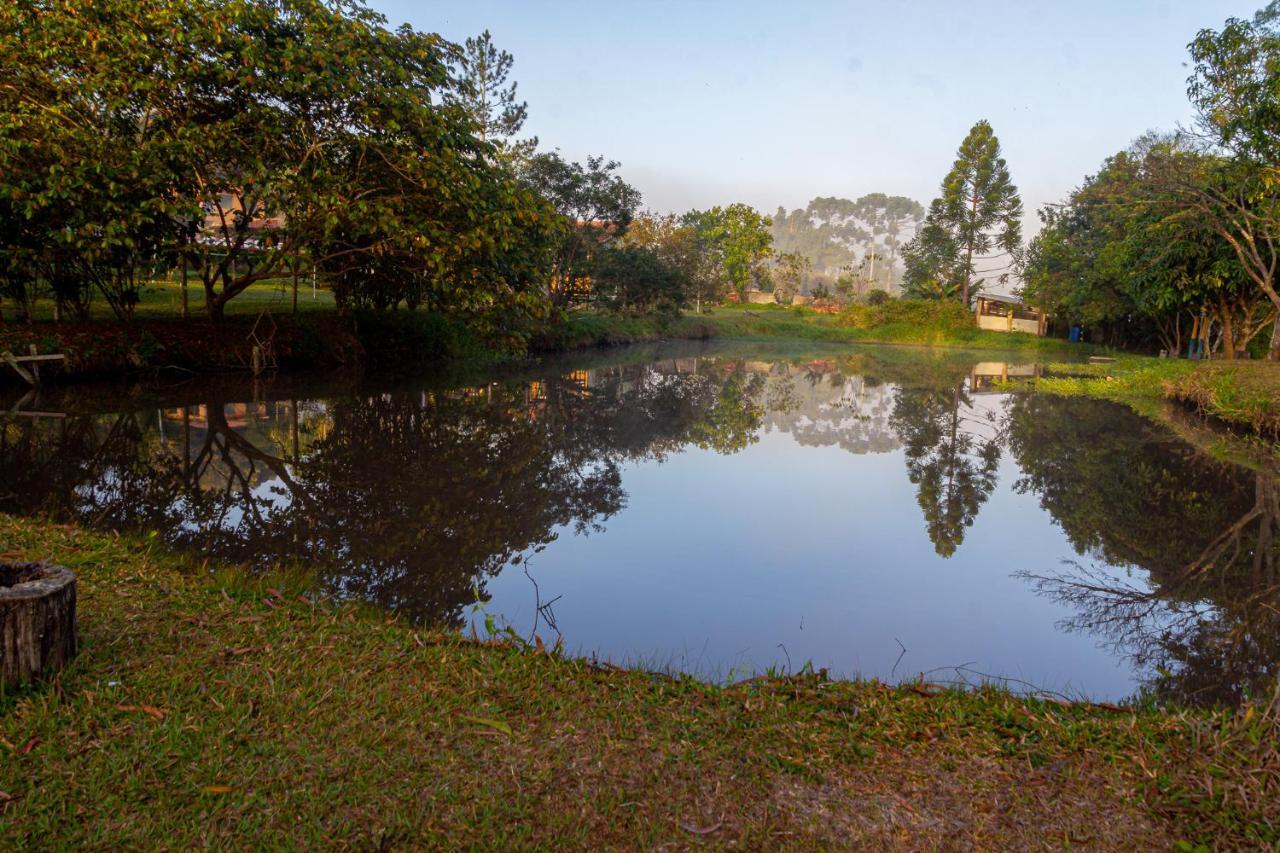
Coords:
878,297
923,313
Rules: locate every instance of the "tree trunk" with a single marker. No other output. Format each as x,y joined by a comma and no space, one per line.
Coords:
1228,334
216,305
37,620
968,261
1273,352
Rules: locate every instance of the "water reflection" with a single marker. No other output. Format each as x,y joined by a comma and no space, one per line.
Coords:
417,496
1203,618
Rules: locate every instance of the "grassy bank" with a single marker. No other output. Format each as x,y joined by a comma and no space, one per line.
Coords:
207,709
1241,394
1245,393
904,322
320,338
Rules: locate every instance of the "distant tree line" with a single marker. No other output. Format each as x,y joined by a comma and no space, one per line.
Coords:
848,247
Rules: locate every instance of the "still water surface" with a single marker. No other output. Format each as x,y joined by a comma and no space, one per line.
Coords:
717,509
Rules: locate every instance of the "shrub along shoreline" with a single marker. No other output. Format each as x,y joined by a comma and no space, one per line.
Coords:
209,708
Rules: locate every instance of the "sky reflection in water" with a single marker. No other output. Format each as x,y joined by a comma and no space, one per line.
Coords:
718,510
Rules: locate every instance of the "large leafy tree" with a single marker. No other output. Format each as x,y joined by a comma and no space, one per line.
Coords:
736,238
595,207
676,246
1125,256
634,278
1235,87
354,160
976,219
86,167
243,136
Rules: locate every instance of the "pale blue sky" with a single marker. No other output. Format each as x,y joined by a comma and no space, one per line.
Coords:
773,103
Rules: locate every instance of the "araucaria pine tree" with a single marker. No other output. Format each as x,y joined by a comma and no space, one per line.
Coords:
482,72
977,219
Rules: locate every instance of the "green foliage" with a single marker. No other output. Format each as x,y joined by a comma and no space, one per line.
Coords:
87,193
634,278
940,316
248,137
1235,87
1234,84
737,242
681,252
976,219
482,89
594,206
789,271
1127,257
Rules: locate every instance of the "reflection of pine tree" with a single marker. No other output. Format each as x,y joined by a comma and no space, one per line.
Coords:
952,454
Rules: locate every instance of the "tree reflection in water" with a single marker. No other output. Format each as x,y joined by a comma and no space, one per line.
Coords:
409,499
1128,494
952,450
413,498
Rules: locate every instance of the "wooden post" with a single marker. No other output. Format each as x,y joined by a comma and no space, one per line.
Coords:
18,368
35,365
37,620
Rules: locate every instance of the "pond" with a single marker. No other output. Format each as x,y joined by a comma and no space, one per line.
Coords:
718,509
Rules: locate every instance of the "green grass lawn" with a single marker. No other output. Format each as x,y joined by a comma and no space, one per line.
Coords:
162,299
210,710
921,324
907,322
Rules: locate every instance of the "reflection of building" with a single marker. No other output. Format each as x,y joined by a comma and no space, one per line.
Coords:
987,374
237,414
1006,314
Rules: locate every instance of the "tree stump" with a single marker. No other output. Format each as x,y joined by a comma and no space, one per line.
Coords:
37,620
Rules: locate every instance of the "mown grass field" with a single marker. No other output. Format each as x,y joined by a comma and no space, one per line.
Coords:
903,322
208,709
161,298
